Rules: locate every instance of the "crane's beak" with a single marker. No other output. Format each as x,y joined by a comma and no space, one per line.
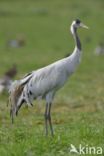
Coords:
83,26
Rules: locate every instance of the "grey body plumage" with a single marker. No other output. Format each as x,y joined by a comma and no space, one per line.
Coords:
44,83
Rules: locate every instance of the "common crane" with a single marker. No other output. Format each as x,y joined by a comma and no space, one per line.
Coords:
45,82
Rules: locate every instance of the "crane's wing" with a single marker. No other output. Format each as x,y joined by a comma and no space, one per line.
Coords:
45,80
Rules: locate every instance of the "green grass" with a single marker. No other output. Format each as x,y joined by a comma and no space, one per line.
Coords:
77,112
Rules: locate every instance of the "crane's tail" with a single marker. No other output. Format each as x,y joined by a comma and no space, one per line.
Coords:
15,97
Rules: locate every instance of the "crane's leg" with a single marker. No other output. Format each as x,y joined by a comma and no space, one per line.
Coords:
46,119
49,119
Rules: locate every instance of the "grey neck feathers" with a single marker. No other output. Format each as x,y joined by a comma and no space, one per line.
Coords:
77,40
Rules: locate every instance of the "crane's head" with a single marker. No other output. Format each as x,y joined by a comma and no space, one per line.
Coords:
76,24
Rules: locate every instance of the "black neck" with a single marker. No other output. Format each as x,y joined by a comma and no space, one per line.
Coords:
77,40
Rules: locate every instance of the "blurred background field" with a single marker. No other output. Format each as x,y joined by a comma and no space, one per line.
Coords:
40,33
